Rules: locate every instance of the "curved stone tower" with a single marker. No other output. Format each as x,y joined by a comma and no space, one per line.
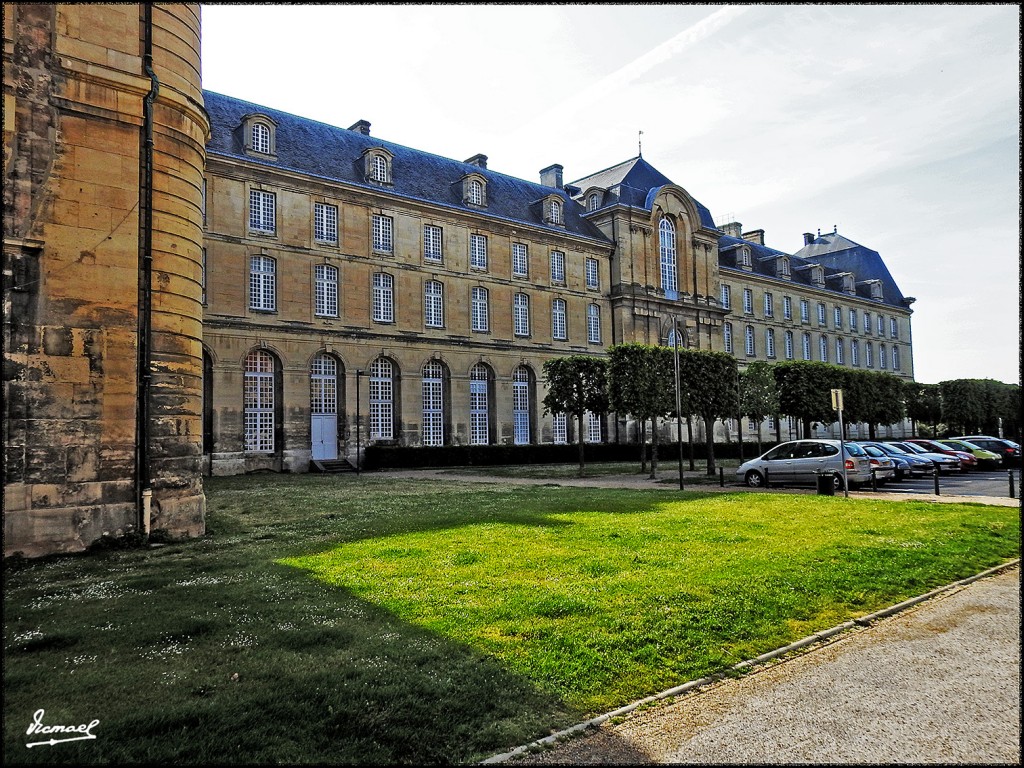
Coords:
104,150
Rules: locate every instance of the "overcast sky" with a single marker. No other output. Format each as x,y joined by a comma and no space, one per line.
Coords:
899,125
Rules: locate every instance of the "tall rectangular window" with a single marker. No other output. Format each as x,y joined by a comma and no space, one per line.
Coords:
788,340
894,328
521,405
769,342
591,273
726,297
325,223
520,260
593,425
382,408
880,325
433,304
261,210
383,234
433,404
479,430
839,351
478,251
853,319
727,337
751,350
895,358
769,305
383,298
594,324
854,352
806,339
326,290
479,316
869,355
821,313
867,322
559,428
805,311
787,308
259,402
882,356
837,318
748,301
558,321
521,314
432,243
557,267
262,283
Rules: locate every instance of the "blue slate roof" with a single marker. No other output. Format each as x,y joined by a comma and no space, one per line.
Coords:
836,252
631,182
333,153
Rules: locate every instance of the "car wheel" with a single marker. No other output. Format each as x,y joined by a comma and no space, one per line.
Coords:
754,479
837,481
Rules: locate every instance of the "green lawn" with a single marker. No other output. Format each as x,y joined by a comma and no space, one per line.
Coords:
360,620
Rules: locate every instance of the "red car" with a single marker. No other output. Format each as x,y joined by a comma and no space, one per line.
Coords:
967,460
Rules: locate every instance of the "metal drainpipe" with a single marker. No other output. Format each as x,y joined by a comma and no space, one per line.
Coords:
143,491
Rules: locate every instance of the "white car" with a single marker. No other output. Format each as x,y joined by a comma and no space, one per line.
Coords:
799,462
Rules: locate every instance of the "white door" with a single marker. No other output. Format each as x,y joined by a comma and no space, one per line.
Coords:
323,407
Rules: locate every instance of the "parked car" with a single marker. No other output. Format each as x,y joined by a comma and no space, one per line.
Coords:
943,461
986,459
882,465
914,464
967,460
799,462
1009,450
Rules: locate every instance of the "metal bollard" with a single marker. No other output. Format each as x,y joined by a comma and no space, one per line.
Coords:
766,483
936,481
874,480
1013,494
721,476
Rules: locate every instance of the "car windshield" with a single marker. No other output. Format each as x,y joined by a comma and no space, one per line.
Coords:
893,450
913,448
854,450
871,450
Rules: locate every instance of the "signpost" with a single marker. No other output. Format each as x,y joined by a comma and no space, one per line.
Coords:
837,406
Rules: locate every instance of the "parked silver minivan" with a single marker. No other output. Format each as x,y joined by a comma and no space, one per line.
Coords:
799,462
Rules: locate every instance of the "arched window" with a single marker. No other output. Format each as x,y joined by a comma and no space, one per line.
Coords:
379,170
593,324
726,336
323,384
479,405
823,349
806,346
789,345
882,359
476,192
855,352
521,405
260,138
593,202
480,311
433,404
258,402
869,355
433,304
769,342
554,212
839,351
895,358
382,392
667,250
751,349
559,329
262,283
383,298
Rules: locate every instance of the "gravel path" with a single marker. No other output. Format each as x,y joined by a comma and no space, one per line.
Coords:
937,683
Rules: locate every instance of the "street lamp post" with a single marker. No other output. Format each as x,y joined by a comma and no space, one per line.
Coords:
359,375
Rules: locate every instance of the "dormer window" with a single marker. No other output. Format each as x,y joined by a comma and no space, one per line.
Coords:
876,289
848,284
377,167
474,190
554,212
258,135
593,202
783,268
743,257
818,275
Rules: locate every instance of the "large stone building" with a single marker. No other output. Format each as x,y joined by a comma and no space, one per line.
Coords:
253,290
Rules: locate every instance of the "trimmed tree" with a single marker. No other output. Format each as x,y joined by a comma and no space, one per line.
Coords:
759,395
576,384
805,391
641,383
924,405
710,380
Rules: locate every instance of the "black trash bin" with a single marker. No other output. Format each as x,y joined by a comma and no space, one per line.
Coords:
826,484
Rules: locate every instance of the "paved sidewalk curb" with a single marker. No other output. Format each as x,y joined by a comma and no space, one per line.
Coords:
810,640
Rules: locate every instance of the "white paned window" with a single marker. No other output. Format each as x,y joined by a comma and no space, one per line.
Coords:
726,297
379,170
880,325
478,251
262,283
554,212
667,253
593,424
480,314
383,234
853,319
787,308
789,345
432,250
823,349
839,351
261,138
749,345
855,352
867,322
769,342
382,421
821,314
325,223
259,402
323,385
805,311
326,290
479,433
895,358
433,304
521,314
769,305
837,318
383,298
591,273
894,328
557,267
521,405
432,430
593,324
748,301
261,210
869,354
560,428
475,192
784,268
593,202
558,321
520,260
727,337
806,339
883,360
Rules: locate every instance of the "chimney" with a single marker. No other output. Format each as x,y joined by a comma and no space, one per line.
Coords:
478,160
754,236
551,176
808,238
733,229
363,127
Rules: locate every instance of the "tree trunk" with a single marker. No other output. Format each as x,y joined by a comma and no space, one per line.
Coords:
643,446
709,429
654,447
689,437
579,420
